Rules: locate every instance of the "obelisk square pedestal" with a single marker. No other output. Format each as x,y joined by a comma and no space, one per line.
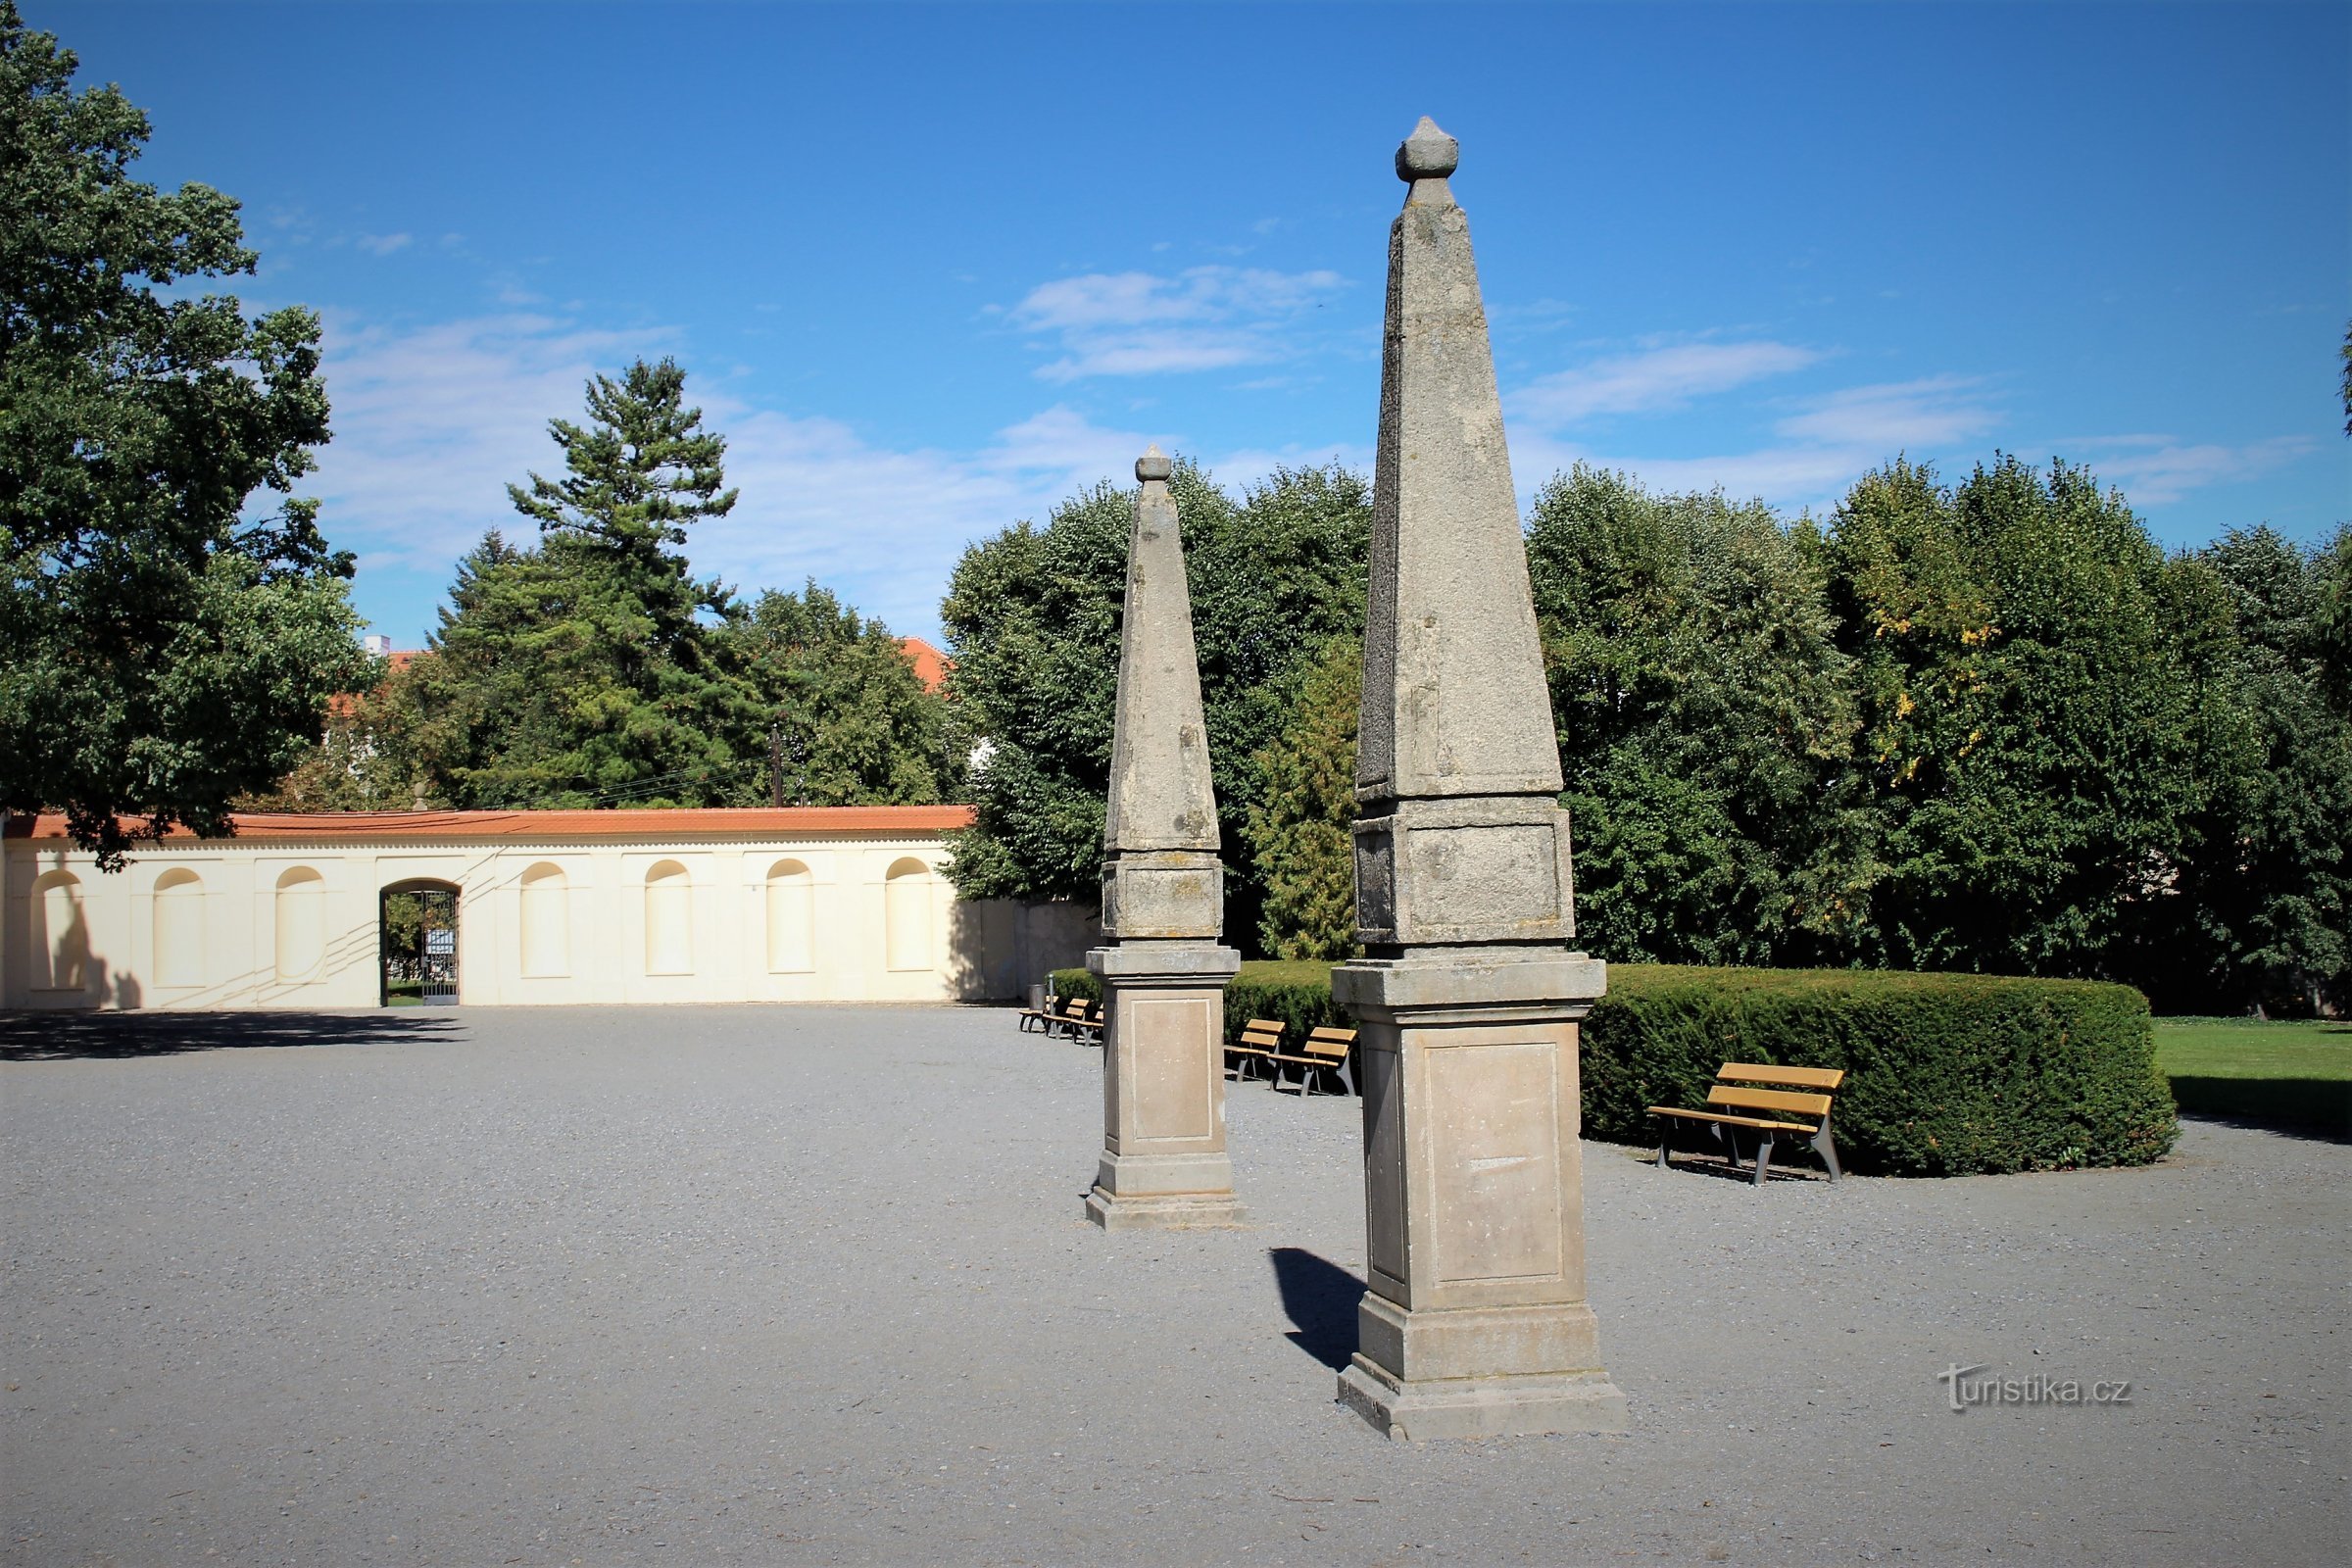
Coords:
1163,1164
1475,1322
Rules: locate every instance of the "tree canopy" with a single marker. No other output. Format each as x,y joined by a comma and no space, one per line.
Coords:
1031,617
169,644
1988,726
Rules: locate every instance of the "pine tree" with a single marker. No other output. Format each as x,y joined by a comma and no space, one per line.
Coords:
639,474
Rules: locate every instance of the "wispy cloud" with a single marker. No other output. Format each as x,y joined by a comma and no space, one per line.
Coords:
1827,442
2155,471
383,244
1144,324
1895,417
1652,379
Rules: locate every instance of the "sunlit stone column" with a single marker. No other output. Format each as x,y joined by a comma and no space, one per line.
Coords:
1475,1323
1163,1157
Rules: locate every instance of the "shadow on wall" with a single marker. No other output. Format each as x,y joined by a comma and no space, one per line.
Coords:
998,948
1319,1297
116,1036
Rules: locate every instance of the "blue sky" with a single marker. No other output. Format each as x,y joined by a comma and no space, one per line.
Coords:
933,268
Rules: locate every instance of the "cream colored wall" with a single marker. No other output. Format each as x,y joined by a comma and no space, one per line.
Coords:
247,924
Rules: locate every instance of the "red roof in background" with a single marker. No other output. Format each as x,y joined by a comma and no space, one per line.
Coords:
759,821
930,665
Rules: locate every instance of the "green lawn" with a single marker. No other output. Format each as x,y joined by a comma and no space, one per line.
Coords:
2284,1072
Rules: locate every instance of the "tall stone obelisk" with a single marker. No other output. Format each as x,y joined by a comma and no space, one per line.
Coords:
1163,1157
1475,1323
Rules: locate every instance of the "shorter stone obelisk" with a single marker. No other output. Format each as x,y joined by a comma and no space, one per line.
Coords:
1474,1323
1163,1161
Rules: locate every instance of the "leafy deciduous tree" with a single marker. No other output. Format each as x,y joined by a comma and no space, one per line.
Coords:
167,647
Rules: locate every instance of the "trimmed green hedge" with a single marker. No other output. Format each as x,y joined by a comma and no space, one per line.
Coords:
1947,1074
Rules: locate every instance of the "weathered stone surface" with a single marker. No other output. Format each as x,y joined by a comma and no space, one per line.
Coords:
1454,701
1160,895
1163,1162
1160,795
1475,1322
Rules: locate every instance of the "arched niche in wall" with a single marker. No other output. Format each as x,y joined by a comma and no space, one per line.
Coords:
545,921
301,925
179,928
790,918
668,919
907,916
60,938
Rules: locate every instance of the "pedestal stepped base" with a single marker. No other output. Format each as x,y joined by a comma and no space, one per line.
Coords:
1163,1164
1475,1322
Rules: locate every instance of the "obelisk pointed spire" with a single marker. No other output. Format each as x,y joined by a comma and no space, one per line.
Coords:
1160,794
1455,698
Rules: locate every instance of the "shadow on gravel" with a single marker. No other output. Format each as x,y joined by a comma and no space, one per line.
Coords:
119,1036
2326,1120
1319,1296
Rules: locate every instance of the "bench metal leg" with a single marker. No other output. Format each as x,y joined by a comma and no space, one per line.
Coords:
1763,1157
1826,1147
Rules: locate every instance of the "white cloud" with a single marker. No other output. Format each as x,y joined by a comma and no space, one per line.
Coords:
2157,471
1896,417
1658,378
1144,324
382,244
1831,440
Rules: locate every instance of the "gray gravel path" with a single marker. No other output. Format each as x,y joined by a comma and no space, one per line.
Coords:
811,1286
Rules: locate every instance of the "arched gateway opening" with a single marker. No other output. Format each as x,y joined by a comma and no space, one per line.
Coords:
416,925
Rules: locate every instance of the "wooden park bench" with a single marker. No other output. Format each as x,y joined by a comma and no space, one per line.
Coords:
1062,1015
1084,1023
1791,1100
1042,1018
1262,1040
1326,1051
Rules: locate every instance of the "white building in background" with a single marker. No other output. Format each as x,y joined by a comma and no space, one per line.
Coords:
800,904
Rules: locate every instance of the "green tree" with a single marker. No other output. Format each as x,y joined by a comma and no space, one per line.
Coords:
638,475
854,721
586,669
548,684
2031,723
1031,617
2262,898
168,645
1706,726
1302,828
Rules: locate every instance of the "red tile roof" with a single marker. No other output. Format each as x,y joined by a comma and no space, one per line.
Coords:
790,821
930,665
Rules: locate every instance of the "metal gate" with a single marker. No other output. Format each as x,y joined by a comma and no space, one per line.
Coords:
419,934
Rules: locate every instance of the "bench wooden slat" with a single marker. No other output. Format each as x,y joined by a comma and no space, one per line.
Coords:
1788,1099
1756,1072
1807,1128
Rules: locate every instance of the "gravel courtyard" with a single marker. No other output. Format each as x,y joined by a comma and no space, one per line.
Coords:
811,1286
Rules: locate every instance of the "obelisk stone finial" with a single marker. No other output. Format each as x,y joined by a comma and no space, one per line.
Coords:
1161,877
1428,154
